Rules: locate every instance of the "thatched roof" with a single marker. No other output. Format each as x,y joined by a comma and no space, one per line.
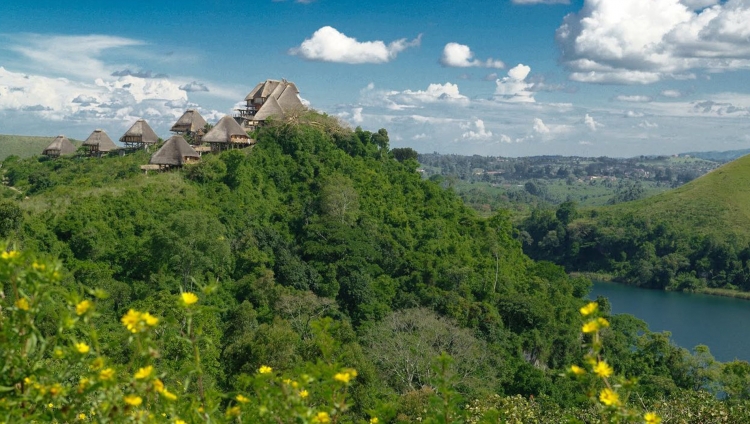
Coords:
100,138
174,152
226,129
60,146
255,92
270,108
190,121
289,100
143,130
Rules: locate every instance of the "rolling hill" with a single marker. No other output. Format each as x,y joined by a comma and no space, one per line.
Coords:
24,146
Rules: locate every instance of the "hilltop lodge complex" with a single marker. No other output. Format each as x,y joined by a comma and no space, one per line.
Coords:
193,136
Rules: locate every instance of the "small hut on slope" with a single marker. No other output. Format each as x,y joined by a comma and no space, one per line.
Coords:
139,136
191,124
60,146
174,153
270,98
227,134
99,143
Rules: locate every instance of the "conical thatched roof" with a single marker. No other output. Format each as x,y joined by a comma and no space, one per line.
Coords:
100,138
174,152
289,99
255,92
270,108
60,146
143,130
224,131
190,121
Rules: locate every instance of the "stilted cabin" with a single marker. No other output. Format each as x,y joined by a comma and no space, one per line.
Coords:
175,153
99,143
60,146
191,124
227,134
139,136
271,98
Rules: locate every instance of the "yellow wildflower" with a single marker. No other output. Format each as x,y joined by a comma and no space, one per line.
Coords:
591,327
602,369
168,395
83,306
130,320
22,304
322,418
374,420
295,384
81,416
158,386
188,298
233,411
56,389
609,397
286,381
50,406
58,353
265,369
133,400
575,369
107,374
345,375
82,384
304,393
149,319
82,348
97,363
242,399
39,267
603,323
179,421
651,418
10,255
589,308
144,373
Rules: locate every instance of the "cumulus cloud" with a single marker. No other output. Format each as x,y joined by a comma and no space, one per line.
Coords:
514,87
539,127
447,93
479,132
671,93
461,56
329,45
194,87
633,99
589,121
645,41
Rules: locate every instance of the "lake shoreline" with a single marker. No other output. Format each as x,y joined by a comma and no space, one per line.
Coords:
609,278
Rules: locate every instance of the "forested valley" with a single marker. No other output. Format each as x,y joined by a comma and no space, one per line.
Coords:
322,255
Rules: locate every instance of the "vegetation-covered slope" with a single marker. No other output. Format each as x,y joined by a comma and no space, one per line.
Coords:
23,146
316,244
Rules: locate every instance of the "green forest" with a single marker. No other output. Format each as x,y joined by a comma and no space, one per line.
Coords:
317,277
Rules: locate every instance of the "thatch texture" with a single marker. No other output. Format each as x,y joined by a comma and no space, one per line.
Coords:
140,132
190,122
227,130
175,152
270,108
60,146
271,98
100,141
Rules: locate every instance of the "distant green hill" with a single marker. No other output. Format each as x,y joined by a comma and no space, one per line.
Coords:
717,203
725,156
24,146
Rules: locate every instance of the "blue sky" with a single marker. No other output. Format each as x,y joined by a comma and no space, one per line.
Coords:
502,77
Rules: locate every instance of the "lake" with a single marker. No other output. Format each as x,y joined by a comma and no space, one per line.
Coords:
721,323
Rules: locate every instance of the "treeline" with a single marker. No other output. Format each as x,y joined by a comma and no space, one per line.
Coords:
317,237
637,250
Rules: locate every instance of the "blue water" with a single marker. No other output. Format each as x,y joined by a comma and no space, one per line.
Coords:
721,323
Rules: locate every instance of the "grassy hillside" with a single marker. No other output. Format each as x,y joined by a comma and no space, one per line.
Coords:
22,146
717,203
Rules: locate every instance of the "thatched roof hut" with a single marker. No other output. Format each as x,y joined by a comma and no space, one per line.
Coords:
59,146
175,152
99,143
270,98
189,123
227,134
139,135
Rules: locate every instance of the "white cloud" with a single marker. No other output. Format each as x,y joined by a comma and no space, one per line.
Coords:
357,115
539,127
514,88
647,124
461,56
633,99
633,114
329,45
671,93
481,132
447,93
420,136
589,121
645,41
194,87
